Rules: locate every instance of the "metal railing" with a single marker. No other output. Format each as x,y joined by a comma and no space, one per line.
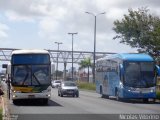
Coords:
64,56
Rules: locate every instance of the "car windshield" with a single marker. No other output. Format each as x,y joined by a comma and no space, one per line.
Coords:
139,74
31,75
69,84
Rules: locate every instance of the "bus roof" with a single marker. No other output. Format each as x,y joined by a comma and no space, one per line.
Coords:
30,51
131,57
136,57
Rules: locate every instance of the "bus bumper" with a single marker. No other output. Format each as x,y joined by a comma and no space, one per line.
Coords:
16,96
138,94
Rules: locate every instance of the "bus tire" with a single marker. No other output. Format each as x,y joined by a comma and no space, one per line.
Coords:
101,92
15,102
45,101
102,96
145,100
117,95
107,96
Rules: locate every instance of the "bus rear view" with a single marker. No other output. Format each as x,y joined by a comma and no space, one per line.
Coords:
30,75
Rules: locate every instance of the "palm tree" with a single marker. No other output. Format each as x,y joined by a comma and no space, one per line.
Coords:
86,63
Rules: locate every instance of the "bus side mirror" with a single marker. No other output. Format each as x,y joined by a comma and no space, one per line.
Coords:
4,65
157,70
121,69
9,68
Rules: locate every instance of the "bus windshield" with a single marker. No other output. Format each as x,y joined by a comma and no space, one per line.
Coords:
139,74
31,75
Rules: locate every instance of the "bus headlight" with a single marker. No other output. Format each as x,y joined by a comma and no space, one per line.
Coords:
14,96
48,95
152,90
16,91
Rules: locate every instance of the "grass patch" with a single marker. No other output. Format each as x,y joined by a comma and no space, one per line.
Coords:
87,86
158,94
0,113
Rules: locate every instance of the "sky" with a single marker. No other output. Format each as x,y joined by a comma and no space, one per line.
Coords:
37,24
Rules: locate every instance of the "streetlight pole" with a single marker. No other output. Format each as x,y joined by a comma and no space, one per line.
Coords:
94,52
72,50
58,43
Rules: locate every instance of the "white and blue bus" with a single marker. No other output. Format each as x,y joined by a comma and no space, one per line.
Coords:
30,75
127,76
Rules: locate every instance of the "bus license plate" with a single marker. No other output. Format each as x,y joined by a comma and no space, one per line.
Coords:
31,96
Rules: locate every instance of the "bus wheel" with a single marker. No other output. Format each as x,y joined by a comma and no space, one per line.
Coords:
101,92
45,101
107,96
102,96
145,100
117,95
15,102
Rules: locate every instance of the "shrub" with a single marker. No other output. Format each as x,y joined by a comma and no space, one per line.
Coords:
0,113
158,94
87,86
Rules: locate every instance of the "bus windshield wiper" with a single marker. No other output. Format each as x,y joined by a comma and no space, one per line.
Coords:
36,79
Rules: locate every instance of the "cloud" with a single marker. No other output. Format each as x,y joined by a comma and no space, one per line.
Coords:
55,18
3,31
14,16
50,20
48,26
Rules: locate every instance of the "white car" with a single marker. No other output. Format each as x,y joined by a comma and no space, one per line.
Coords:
55,83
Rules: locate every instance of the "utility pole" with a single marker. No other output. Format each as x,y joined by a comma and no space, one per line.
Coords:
72,50
94,52
58,43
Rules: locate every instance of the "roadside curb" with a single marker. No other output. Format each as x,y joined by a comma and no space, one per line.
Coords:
5,112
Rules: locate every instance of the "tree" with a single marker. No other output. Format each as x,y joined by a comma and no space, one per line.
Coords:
86,63
139,29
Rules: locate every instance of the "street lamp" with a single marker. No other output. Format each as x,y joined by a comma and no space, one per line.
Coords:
72,50
94,53
58,43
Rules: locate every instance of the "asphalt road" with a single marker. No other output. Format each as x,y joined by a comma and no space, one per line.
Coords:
89,105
